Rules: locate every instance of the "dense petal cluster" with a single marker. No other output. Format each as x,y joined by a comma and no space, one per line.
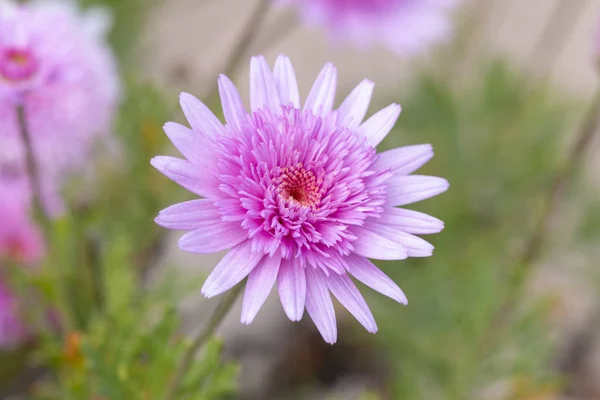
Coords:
54,63
404,26
298,194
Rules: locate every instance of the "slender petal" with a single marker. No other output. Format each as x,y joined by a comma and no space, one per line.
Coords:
412,221
291,284
234,267
263,92
415,246
184,140
319,304
193,214
188,175
404,160
409,189
353,109
374,245
285,78
376,128
233,107
259,285
200,117
213,238
347,293
366,272
322,94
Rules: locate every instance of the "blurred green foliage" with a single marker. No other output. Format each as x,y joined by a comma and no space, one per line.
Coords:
498,142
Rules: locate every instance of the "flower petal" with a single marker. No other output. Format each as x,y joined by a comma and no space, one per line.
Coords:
349,296
412,221
366,272
353,109
376,128
322,94
285,79
200,117
263,92
193,214
259,285
319,304
191,176
291,284
404,160
374,245
232,268
188,145
412,188
213,238
415,246
233,107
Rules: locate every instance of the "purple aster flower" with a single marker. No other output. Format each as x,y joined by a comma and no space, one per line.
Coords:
298,194
404,26
56,64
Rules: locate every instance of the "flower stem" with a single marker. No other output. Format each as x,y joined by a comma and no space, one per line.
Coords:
247,36
533,250
32,169
209,329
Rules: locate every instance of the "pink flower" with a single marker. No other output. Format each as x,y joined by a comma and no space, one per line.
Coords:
404,26
57,65
12,332
298,194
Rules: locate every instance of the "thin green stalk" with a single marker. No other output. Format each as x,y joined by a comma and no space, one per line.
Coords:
209,329
246,38
32,169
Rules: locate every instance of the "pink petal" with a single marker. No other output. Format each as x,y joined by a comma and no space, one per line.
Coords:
322,94
349,296
404,160
183,139
259,285
353,109
412,221
285,79
232,268
319,304
376,128
412,188
213,238
193,214
291,284
374,245
366,272
200,117
191,176
415,246
263,92
233,107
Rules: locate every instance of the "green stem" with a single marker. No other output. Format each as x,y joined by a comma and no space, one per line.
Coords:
209,329
247,36
32,169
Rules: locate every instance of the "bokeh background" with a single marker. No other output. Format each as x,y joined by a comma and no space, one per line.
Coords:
488,317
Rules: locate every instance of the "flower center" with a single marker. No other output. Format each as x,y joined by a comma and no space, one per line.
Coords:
17,64
299,186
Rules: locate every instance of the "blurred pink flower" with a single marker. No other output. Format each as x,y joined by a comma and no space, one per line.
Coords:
404,26
12,332
57,65
298,193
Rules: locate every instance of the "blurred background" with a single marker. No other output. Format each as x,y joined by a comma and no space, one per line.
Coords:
507,308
